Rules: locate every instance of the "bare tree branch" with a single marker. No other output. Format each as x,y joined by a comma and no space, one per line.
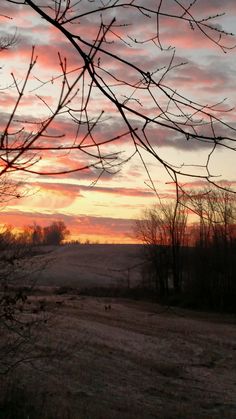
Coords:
141,100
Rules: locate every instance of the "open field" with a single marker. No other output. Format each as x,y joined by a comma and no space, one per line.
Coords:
135,360
113,358
90,265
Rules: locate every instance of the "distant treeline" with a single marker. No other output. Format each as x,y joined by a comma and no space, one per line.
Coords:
53,234
195,263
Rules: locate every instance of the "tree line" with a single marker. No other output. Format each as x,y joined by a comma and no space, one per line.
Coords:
53,234
195,262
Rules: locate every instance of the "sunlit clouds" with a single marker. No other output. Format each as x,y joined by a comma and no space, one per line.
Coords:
98,204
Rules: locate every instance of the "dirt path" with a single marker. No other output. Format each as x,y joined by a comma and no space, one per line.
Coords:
137,360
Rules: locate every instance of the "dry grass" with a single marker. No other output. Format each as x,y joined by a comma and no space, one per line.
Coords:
136,360
133,361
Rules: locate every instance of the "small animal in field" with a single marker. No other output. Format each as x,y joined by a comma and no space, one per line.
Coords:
107,307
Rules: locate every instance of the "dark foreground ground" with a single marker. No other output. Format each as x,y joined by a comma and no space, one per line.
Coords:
120,359
113,358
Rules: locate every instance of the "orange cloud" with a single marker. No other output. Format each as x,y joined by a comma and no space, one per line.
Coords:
103,229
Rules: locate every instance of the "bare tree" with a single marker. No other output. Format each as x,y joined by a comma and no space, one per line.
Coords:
36,234
138,99
55,233
19,326
175,219
9,188
20,323
202,268
162,229
151,230
213,262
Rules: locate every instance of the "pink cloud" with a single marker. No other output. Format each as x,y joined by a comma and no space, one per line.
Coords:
8,100
72,190
180,35
104,228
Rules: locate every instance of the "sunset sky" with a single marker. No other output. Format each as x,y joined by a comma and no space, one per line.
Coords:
104,209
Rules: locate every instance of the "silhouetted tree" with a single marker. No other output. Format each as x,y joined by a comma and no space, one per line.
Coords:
37,234
163,231
139,98
18,325
55,233
6,237
213,267
203,268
